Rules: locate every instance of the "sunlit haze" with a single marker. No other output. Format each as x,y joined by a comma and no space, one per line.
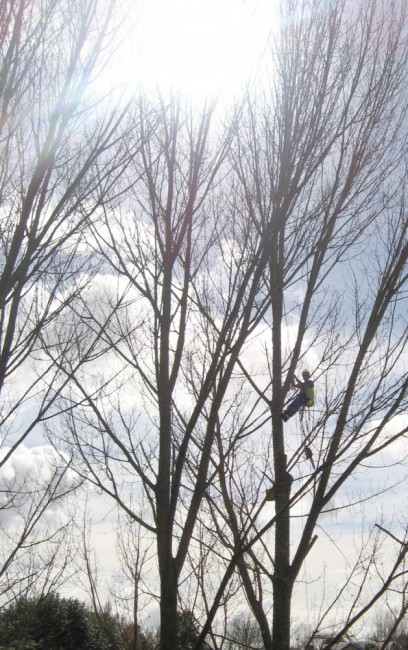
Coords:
197,47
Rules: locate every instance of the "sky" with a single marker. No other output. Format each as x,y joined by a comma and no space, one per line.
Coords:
197,47
200,48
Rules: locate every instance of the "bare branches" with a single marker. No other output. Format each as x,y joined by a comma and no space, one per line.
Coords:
187,270
57,141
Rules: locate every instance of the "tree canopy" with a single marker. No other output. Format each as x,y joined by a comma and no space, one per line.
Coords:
169,268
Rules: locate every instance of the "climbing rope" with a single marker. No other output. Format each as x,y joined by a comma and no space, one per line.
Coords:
304,414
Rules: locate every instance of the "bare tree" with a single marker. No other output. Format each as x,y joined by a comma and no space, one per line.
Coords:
320,158
173,329
36,526
244,634
237,256
60,161
132,587
136,555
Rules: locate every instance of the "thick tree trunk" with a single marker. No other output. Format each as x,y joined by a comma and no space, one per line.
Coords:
168,616
168,606
282,580
282,594
282,583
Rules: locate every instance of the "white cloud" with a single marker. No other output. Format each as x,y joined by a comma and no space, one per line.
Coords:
29,476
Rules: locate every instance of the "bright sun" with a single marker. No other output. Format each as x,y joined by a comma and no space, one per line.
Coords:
198,47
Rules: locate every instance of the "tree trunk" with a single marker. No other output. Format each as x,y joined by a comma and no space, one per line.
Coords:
282,581
168,605
282,585
282,594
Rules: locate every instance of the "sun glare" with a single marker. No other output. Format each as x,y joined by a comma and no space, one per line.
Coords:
197,47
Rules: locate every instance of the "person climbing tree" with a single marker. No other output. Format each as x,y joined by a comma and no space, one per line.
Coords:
305,397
